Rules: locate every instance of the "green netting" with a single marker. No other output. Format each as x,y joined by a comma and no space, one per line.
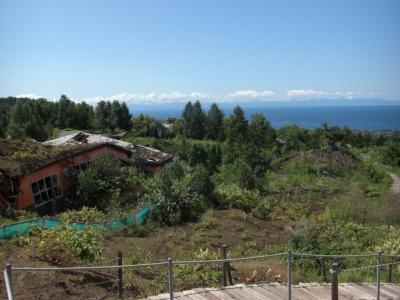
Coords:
9,230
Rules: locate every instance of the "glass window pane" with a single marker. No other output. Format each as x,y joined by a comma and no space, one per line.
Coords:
44,196
41,184
48,182
54,180
35,187
37,198
50,194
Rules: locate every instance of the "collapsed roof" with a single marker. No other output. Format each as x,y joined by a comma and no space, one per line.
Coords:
22,157
150,155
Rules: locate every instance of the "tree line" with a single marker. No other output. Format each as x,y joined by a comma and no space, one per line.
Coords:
23,118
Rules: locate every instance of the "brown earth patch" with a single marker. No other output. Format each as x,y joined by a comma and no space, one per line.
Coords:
244,234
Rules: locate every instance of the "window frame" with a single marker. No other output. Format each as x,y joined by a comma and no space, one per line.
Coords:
50,189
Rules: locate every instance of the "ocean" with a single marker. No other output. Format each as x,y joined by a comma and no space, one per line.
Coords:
371,117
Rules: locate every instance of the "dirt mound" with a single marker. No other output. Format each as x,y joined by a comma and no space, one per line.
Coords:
338,157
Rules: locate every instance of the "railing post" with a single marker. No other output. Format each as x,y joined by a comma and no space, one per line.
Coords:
335,287
289,274
390,273
378,276
170,279
323,270
224,266
8,281
229,270
120,283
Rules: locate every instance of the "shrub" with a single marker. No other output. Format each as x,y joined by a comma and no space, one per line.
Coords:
105,175
232,196
333,238
83,215
238,173
178,195
66,244
390,241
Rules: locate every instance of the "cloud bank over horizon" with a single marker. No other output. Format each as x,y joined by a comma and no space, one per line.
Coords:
249,95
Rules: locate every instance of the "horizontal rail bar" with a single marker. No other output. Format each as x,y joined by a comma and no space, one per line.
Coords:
332,255
183,262
32,269
206,261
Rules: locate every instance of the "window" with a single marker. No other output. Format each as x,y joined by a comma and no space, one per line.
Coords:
46,189
82,167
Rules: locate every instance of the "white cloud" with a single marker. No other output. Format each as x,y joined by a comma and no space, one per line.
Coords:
152,98
312,94
250,94
230,97
31,95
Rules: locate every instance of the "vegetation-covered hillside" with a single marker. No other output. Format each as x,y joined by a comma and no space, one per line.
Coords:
233,181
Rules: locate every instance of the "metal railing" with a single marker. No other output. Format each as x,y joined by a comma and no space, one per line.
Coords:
226,269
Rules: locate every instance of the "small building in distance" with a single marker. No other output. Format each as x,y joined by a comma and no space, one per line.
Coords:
42,176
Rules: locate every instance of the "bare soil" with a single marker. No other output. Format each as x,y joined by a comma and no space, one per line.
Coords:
231,227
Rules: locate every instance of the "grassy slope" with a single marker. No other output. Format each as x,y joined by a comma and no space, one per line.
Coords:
300,195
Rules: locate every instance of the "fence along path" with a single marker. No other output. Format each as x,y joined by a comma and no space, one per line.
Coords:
259,292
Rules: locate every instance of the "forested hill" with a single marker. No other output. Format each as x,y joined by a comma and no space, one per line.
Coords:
22,118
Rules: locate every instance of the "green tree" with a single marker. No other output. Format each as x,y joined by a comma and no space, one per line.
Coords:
84,116
261,133
24,122
187,120
198,122
102,119
125,117
177,194
215,123
66,113
237,126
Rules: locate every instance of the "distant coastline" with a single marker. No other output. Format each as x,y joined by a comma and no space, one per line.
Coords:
360,117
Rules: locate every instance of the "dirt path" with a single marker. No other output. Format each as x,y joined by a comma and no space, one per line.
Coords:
396,183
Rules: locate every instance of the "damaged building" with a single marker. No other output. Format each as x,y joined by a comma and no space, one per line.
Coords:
41,176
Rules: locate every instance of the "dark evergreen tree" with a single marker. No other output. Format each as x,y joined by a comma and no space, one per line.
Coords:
24,122
261,132
187,120
236,127
84,116
102,120
198,122
125,118
66,113
215,123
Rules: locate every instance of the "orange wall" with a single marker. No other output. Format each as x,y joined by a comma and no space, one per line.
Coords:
25,196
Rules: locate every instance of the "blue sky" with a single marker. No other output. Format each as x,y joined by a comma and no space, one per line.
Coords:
160,51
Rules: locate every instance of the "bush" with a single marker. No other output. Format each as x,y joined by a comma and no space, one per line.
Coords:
232,196
178,195
66,244
83,215
333,238
106,175
238,173
390,241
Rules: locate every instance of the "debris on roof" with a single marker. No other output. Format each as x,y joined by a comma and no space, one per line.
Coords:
151,155
79,138
22,157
